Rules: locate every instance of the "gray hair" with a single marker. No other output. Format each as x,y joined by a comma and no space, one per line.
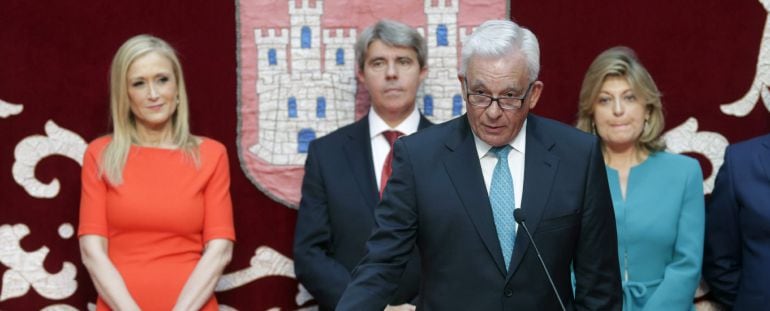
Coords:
391,33
499,37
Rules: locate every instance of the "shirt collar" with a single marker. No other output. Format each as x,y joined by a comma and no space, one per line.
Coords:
377,125
518,143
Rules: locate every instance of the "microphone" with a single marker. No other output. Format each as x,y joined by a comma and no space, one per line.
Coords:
520,216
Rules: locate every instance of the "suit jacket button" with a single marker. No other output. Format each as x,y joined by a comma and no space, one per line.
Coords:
508,292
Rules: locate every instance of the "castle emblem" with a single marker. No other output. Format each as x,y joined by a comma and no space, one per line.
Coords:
305,87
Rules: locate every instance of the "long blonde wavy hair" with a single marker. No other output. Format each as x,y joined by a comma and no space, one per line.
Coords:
124,131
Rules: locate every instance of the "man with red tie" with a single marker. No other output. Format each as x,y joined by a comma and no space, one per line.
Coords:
347,170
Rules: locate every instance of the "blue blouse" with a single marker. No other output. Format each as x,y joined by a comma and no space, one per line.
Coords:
660,228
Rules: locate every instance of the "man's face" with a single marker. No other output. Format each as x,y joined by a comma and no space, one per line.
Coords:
392,75
505,75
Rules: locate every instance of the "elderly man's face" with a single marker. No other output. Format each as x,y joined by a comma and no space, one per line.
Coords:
499,76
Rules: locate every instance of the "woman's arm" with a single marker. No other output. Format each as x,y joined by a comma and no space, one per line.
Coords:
682,274
200,286
218,235
107,280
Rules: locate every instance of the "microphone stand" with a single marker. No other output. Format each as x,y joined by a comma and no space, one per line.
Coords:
518,215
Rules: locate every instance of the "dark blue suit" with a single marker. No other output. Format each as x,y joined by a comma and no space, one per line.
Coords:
436,199
336,215
737,255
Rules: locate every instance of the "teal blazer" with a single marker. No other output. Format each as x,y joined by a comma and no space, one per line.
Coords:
660,232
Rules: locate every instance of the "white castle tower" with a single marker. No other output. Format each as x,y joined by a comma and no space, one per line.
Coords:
441,95
340,52
305,37
298,101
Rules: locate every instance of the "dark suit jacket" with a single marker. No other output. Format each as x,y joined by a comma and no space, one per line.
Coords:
436,199
736,262
336,215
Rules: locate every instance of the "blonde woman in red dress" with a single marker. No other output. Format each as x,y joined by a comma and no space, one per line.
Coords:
156,228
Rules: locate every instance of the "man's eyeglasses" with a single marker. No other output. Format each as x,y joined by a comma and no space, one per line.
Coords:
505,102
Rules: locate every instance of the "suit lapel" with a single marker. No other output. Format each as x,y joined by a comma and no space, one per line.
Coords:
539,171
462,166
358,150
424,122
764,155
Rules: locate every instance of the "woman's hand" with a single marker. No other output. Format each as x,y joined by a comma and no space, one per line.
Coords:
106,278
200,285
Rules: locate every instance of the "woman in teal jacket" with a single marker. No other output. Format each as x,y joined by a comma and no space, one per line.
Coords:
657,196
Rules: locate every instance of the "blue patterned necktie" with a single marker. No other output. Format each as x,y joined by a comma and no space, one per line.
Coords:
502,200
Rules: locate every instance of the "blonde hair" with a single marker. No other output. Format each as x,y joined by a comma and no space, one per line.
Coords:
124,132
622,62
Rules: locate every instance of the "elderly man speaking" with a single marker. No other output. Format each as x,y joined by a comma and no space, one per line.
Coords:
456,186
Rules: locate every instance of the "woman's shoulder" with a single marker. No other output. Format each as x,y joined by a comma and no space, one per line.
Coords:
675,161
99,144
210,145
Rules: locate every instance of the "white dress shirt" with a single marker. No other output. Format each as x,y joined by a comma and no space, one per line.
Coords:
380,145
488,161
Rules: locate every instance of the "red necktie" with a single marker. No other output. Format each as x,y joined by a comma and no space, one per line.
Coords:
387,168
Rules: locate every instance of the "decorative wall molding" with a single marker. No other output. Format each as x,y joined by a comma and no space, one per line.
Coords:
59,307
712,145
265,262
8,109
759,87
33,149
25,269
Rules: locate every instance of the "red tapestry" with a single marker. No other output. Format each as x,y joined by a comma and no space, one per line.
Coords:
709,59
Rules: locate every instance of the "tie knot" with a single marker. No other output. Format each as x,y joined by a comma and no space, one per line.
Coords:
391,136
502,151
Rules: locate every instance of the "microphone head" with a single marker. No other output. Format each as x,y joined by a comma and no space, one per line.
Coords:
519,215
